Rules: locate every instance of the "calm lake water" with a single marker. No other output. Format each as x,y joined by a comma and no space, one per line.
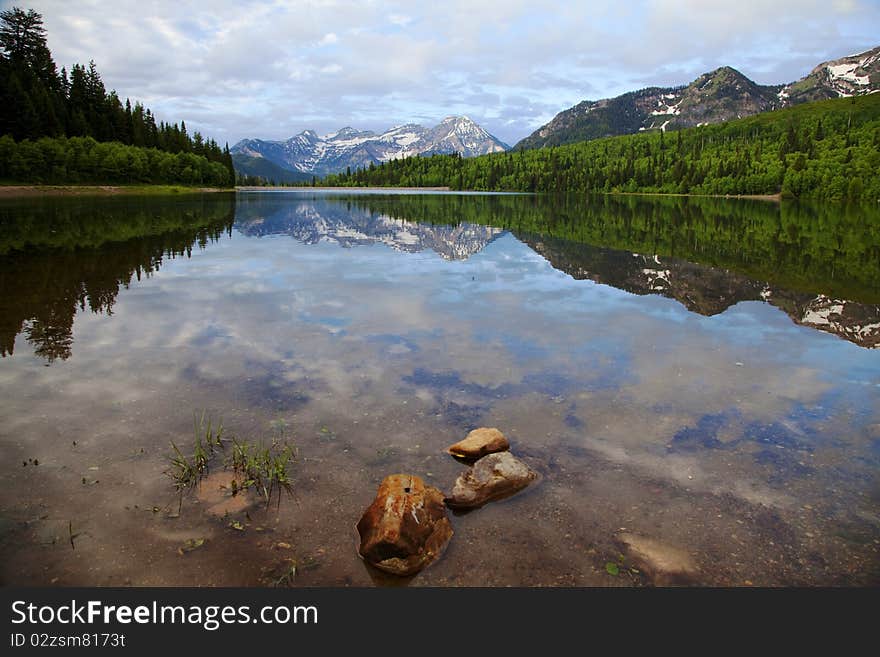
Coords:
705,373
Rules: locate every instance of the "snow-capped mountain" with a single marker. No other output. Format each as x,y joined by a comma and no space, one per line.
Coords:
720,95
310,153
458,134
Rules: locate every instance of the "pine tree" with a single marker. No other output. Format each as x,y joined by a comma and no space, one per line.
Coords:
227,162
30,87
23,40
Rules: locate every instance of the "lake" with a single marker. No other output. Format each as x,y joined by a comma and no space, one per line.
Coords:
703,372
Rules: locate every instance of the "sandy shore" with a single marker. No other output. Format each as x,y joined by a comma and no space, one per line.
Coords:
75,190
344,189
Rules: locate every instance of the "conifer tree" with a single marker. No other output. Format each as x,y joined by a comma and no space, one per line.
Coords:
23,40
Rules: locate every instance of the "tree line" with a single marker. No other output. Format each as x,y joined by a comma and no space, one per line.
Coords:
84,160
822,150
40,105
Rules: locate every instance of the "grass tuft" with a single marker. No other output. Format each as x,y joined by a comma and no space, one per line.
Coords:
186,472
257,466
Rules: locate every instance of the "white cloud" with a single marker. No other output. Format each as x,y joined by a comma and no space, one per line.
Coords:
271,69
400,20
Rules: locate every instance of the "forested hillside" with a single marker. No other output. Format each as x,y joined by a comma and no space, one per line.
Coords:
63,127
822,150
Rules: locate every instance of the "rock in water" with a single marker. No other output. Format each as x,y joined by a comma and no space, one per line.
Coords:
492,477
664,564
480,442
406,527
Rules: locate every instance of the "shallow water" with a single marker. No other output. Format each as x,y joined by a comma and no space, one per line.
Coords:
731,411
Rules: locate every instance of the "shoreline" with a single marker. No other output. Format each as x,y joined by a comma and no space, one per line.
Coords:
775,198
14,191
321,188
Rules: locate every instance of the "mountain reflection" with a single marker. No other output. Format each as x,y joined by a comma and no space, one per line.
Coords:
825,249
707,290
58,257
818,264
348,223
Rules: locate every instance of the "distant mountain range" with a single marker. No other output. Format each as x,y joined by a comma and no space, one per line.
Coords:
308,154
720,95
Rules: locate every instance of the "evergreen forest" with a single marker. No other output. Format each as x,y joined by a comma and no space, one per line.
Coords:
65,127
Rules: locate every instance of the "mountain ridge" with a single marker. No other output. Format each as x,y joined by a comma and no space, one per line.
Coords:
713,97
311,154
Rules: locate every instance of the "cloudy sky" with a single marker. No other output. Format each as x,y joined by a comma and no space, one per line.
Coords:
270,69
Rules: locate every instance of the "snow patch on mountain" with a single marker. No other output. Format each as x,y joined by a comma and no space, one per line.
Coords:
665,109
854,75
847,72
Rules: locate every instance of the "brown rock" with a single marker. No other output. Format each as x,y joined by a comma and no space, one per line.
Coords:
664,564
492,477
480,442
406,527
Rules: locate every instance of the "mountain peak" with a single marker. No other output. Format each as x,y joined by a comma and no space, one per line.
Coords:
727,70
458,120
724,75
350,148
347,133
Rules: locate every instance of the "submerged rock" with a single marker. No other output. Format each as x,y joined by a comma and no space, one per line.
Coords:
479,443
664,564
406,527
492,477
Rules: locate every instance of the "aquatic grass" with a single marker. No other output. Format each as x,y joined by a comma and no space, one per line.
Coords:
257,466
186,472
204,429
261,467
183,471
